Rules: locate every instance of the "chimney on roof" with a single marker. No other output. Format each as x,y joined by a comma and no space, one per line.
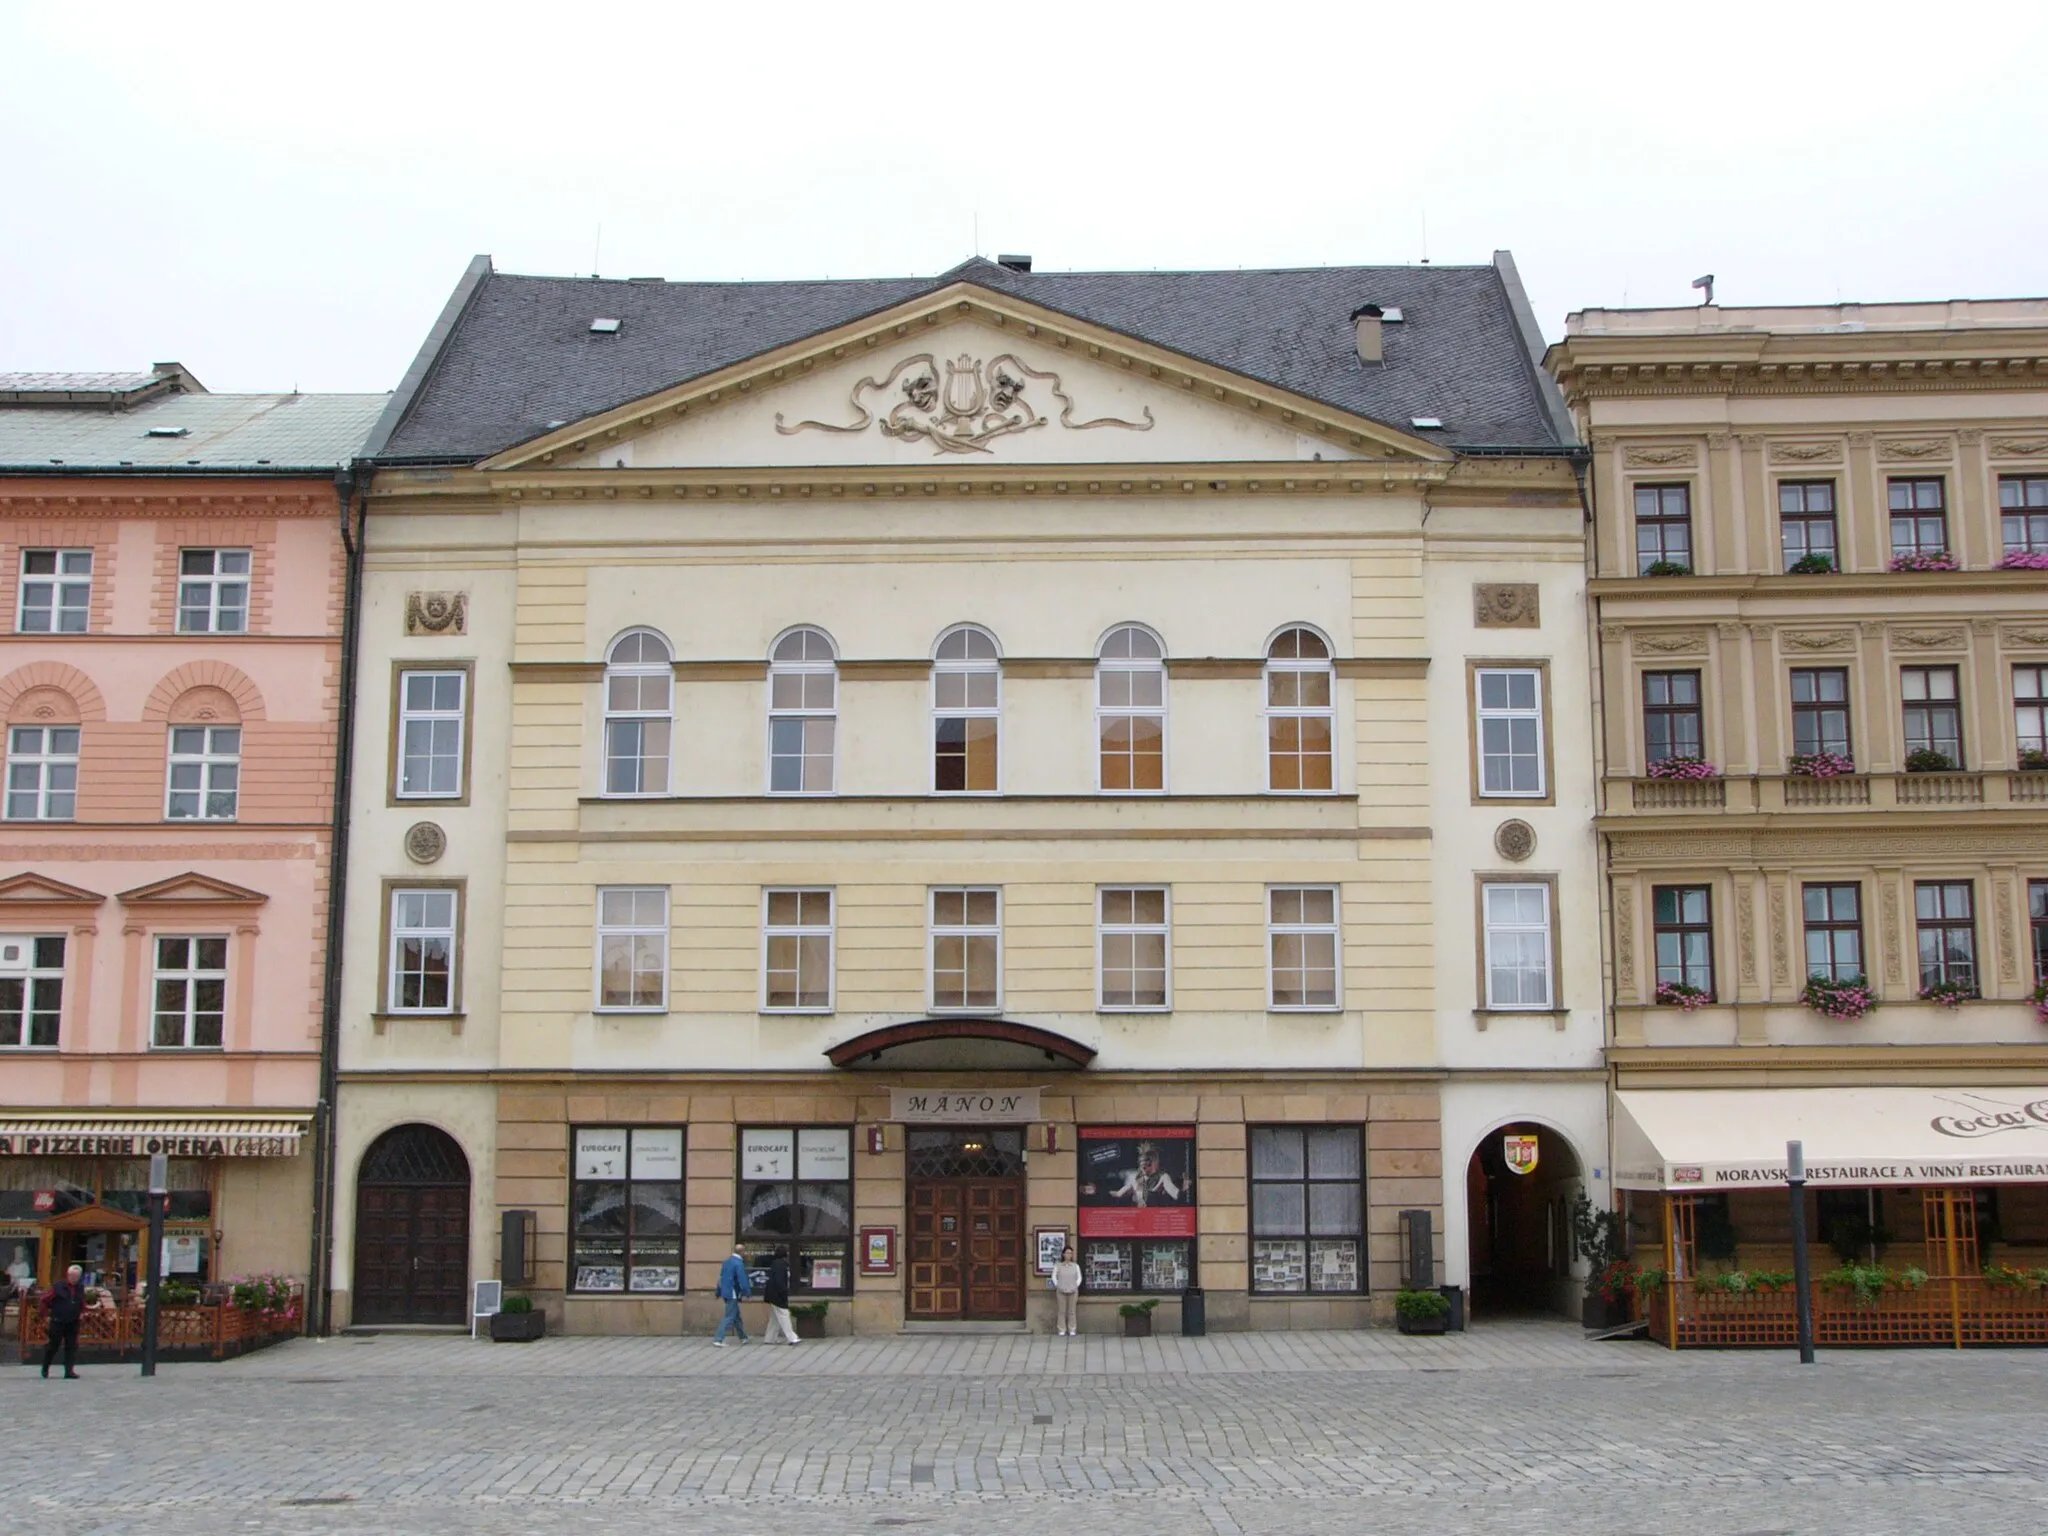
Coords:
1015,263
179,377
1365,321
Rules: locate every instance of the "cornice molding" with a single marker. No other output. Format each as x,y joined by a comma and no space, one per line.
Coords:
1612,368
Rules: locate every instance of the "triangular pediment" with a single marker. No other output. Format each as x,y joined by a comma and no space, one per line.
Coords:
43,891
189,888
967,375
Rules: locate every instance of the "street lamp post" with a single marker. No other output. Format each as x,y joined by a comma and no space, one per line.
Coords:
1795,1179
159,1197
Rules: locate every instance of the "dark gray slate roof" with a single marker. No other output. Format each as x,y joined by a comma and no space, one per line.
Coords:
520,355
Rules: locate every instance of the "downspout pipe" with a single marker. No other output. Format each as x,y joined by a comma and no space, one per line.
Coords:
352,490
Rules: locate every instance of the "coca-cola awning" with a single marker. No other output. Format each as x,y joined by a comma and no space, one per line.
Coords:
1719,1139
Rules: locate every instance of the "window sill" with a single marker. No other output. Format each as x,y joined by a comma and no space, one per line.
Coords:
383,1021
1559,1017
1310,1008
796,1013
39,1050
188,1050
1159,1011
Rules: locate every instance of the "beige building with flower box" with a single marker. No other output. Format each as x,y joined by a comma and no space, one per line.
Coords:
1821,558
914,773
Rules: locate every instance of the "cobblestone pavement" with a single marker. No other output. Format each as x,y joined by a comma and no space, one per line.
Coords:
1513,1427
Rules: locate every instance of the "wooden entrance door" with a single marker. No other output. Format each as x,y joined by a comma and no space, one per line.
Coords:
966,1217
412,1230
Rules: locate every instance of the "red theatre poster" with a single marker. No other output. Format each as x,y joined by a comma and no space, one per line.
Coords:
1137,1180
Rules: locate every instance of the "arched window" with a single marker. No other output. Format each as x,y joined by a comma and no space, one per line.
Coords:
639,684
967,682
1299,716
803,705
1130,710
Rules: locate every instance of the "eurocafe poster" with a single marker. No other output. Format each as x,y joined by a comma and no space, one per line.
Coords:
1136,1180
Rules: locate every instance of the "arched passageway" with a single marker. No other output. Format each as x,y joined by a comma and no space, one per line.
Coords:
1519,1187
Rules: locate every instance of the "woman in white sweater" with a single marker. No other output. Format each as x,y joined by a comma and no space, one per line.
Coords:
1066,1285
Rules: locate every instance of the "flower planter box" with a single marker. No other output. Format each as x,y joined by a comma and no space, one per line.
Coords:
1139,1327
518,1327
808,1326
1598,1312
1440,1324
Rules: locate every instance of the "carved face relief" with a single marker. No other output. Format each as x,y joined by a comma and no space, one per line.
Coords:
975,402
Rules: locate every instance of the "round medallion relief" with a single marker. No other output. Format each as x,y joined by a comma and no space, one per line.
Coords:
425,842
1514,840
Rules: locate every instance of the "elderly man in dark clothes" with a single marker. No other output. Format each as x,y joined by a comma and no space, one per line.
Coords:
64,1306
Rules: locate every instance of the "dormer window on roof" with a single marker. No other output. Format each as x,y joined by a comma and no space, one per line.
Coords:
605,326
166,431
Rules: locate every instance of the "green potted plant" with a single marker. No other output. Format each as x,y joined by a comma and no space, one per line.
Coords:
809,1317
1422,1311
1610,1278
1929,760
1137,1316
1811,565
518,1321
1667,568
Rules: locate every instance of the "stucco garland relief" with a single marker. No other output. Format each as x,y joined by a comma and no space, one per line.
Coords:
1677,456
1819,640
1806,453
978,402
1888,904
1745,930
1929,639
1781,966
437,613
1676,644
2019,447
2008,963
2026,637
1624,941
1506,605
1899,450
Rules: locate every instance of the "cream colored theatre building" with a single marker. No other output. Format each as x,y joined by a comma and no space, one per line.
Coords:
912,774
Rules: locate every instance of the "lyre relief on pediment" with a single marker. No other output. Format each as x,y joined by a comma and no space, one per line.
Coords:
975,403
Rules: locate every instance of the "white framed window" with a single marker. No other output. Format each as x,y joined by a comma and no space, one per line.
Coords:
632,949
213,591
1518,945
56,592
191,993
1130,712
639,691
1301,714
967,707
796,951
431,710
422,957
42,773
1133,945
967,950
31,990
1510,712
803,714
205,773
1301,939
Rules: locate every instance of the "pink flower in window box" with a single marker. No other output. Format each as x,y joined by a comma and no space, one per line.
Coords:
1820,765
1679,994
1939,560
2025,560
1683,768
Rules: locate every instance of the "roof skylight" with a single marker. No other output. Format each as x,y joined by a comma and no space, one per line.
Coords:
605,326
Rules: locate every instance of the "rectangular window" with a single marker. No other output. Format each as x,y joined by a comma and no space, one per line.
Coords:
2029,714
626,1210
42,773
632,948
1933,715
2037,916
422,959
966,719
1834,931
1308,1209
1806,517
1133,946
1510,704
796,1198
191,993
1820,711
1919,517
797,965
1518,947
205,773
1683,918
31,990
213,591
1672,725
1663,527
2023,513
56,592
1946,917
430,730
1135,1190
1301,941
967,950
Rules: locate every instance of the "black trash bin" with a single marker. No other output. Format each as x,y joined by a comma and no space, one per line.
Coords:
1194,1314
1455,1295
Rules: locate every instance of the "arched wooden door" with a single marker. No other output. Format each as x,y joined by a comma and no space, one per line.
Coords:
412,1229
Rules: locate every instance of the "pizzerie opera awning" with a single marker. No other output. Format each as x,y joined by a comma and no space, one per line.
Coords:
1718,1139
143,1135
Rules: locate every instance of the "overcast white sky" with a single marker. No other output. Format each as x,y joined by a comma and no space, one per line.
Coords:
284,195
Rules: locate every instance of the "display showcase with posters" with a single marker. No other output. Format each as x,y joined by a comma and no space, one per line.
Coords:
626,1210
1308,1209
796,1197
1136,1197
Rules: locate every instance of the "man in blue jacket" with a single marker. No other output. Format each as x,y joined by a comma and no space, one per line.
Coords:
734,1285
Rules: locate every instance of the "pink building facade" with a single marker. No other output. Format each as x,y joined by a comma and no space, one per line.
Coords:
173,575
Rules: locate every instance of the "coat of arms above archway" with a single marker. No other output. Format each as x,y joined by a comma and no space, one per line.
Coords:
975,402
